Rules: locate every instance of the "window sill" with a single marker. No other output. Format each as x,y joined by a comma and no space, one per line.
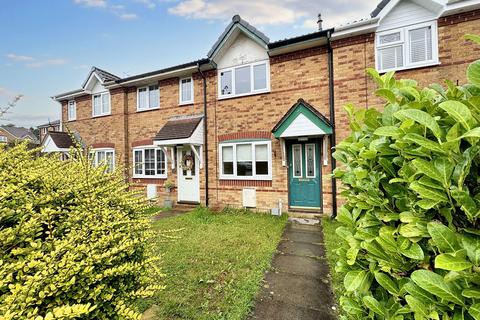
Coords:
243,95
186,103
417,66
101,115
149,177
149,109
253,178
71,120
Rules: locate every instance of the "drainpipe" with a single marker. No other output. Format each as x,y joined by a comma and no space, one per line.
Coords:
205,130
331,93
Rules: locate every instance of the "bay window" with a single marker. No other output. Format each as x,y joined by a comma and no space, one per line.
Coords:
149,162
101,104
244,80
246,160
408,47
148,98
104,157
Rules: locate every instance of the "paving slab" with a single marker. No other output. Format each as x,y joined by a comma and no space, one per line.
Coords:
303,236
300,265
283,311
301,248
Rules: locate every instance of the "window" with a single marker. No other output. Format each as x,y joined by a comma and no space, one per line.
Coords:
101,104
409,47
244,80
148,98
297,161
105,157
186,90
149,162
246,160
3,139
310,158
71,112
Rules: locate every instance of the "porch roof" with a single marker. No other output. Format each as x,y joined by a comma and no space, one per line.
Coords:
180,130
302,120
57,141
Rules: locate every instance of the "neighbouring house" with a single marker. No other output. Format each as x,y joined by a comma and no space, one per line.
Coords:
12,134
253,123
48,127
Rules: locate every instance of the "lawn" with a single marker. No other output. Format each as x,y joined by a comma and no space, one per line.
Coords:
215,265
332,241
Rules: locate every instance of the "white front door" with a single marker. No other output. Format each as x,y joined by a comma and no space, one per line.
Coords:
188,169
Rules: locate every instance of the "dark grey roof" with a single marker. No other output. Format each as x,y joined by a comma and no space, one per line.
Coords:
62,140
160,71
237,20
50,124
105,76
379,8
20,132
305,37
178,129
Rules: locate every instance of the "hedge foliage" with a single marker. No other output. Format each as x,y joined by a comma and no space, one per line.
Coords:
74,242
411,177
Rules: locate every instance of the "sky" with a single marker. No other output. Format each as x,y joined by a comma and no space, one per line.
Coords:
48,47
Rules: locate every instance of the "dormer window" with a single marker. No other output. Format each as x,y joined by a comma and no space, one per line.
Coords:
408,47
244,80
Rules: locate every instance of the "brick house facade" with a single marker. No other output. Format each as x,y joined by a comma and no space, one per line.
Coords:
295,83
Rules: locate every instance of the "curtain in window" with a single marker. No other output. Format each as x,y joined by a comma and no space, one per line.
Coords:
227,159
261,159
244,160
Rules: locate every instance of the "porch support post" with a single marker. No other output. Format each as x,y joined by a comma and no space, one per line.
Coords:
283,151
197,155
170,157
172,154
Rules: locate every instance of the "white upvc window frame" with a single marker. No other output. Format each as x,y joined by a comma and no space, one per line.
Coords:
405,42
314,145
254,176
96,162
147,87
3,139
101,94
143,175
252,85
71,104
180,101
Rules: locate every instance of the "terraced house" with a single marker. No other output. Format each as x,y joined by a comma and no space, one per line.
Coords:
253,123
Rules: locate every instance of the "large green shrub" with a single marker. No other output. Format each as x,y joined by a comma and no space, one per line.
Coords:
411,177
74,242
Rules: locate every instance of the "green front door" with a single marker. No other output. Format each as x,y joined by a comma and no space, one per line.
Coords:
304,174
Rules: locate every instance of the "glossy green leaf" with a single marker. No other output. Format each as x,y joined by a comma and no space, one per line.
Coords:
413,252
443,237
471,293
474,311
452,261
459,112
434,283
374,305
428,193
387,283
473,73
417,306
355,279
388,131
422,118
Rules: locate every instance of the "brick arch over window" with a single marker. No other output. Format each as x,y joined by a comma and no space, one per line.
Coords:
103,145
145,142
245,135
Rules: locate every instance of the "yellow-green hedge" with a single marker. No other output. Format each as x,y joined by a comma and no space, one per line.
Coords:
74,242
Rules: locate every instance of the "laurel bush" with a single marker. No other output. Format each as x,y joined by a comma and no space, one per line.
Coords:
410,224
74,242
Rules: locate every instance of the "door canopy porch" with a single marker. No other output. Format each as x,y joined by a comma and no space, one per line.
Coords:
181,131
302,120
57,141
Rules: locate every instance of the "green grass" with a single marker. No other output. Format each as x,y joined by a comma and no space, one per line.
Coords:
215,266
332,241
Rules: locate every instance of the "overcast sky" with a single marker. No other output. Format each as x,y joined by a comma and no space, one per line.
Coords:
48,47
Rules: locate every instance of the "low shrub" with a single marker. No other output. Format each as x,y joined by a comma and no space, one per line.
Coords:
74,242
411,177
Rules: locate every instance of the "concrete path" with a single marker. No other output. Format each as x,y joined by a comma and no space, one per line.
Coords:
298,286
171,213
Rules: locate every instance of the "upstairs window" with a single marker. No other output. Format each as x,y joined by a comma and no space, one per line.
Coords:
186,90
246,160
101,104
71,112
244,80
149,162
148,98
408,47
